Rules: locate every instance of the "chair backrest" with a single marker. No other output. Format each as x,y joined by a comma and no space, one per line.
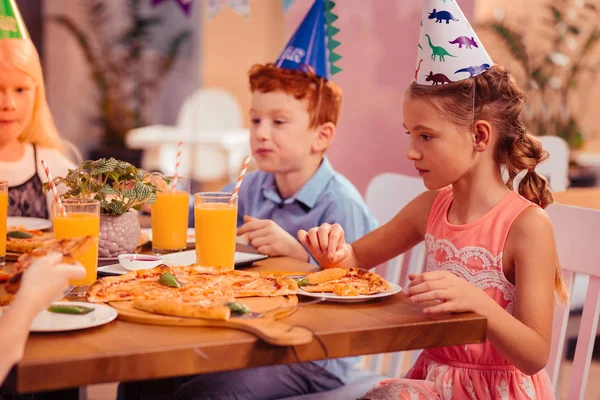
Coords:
387,194
576,230
210,110
205,113
556,167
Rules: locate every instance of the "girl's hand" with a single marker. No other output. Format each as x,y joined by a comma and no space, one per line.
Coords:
453,294
326,243
45,281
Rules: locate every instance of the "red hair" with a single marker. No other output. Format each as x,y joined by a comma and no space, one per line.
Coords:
302,85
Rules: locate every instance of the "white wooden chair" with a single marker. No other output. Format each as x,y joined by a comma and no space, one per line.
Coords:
386,194
556,167
576,230
211,127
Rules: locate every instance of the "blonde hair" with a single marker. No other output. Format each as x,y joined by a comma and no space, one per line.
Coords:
22,55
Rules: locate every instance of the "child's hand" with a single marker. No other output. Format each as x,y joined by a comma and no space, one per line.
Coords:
326,243
269,238
453,294
45,281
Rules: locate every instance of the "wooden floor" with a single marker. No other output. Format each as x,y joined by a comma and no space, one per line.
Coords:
109,390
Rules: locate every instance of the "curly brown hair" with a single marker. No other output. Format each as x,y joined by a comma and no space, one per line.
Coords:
494,96
302,85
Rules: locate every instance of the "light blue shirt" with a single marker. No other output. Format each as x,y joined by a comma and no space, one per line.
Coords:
327,197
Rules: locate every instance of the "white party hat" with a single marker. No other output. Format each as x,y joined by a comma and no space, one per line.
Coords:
449,49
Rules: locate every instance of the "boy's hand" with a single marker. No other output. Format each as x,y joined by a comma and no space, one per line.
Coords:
45,281
270,239
326,243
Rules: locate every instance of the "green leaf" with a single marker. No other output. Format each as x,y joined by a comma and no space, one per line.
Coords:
142,191
116,207
128,193
103,166
168,279
238,308
72,176
107,189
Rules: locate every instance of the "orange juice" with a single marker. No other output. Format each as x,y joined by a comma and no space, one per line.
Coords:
215,234
3,212
170,221
78,225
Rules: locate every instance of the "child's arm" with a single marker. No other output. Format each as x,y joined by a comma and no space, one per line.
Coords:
523,339
42,283
328,246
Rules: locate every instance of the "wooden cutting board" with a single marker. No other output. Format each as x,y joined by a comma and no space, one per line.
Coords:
265,327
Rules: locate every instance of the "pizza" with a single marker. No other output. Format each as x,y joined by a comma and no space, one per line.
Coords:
345,282
69,248
192,291
21,240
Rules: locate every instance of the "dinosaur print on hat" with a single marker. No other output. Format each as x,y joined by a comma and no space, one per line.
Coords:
448,48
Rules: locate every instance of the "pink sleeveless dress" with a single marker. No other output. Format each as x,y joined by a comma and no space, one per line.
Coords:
476,371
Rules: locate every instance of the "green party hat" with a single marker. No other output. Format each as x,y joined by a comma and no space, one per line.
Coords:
11,21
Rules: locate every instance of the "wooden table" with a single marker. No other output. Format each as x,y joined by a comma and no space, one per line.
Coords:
580,197
122,351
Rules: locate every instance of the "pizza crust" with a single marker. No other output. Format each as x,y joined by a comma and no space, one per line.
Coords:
183,309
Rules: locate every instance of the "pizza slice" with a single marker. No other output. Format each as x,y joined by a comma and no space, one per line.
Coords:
69,248
193,302
21,240
345,282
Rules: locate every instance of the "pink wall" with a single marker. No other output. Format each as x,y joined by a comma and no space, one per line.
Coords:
379,43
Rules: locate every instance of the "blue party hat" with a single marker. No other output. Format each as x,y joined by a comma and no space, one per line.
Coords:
313,45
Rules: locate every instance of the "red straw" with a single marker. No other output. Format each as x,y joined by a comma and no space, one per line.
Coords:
53,186
177,164
239,181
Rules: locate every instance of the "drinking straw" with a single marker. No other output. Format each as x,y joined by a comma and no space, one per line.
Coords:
239,181
53,186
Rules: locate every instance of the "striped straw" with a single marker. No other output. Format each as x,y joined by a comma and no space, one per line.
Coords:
53,186
177,165
239,181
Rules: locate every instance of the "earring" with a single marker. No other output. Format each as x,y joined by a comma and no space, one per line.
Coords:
478,148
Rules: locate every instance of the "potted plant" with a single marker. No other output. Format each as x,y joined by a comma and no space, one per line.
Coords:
126,65
121,188
555,67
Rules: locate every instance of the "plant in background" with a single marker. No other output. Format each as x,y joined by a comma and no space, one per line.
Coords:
125,68
118,185
558,66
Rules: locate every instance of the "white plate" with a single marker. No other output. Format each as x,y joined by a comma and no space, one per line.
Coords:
183,258
191,234
29,223
47,321
352,299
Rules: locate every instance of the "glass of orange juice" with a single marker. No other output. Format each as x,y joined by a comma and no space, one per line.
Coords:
76,218
215,223
3,215
170,216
